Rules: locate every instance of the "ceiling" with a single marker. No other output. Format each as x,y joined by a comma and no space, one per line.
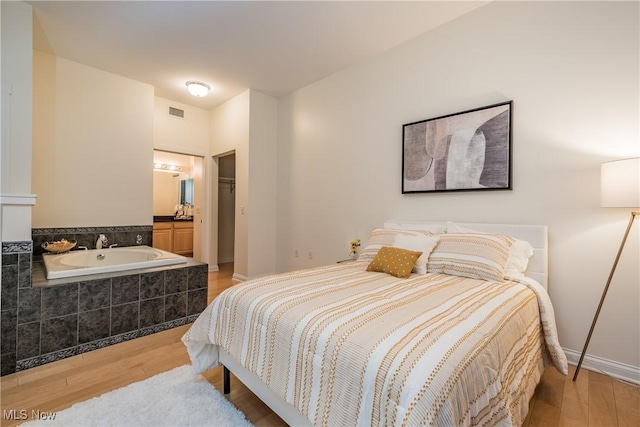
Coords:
273,46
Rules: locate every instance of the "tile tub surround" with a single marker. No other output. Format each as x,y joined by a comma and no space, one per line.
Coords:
64,317
87,236
16,275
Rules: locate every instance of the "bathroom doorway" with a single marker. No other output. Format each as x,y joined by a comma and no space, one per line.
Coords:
226,207
178,203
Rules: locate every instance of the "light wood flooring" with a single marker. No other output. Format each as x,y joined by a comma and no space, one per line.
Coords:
594,400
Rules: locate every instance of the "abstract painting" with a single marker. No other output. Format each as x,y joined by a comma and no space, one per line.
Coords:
464,151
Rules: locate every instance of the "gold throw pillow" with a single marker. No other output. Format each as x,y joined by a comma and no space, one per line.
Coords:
395,261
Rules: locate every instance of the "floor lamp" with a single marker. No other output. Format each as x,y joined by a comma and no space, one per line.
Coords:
619,188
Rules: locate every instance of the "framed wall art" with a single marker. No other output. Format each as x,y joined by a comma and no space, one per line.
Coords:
464,151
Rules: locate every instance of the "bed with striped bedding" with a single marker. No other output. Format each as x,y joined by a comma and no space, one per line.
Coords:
348,347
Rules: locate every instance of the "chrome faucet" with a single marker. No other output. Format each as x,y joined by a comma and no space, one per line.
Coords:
102,241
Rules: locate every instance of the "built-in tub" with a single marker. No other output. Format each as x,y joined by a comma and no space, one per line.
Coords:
93,261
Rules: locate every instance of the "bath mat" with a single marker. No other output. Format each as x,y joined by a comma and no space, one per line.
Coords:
173,398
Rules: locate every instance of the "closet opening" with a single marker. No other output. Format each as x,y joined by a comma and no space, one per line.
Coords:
226,210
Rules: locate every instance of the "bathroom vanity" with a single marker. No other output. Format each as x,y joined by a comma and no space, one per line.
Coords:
173,235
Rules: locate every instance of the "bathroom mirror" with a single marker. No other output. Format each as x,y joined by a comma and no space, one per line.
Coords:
186,191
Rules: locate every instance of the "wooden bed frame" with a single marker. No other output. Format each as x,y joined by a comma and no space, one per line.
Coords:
537,269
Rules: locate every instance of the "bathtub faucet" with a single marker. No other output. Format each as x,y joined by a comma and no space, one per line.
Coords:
101,242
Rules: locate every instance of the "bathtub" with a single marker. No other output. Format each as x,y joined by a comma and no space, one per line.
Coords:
93,261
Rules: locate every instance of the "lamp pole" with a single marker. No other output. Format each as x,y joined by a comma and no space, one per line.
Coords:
604,293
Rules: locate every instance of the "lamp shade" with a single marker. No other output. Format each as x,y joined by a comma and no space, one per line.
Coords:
198,89
620,184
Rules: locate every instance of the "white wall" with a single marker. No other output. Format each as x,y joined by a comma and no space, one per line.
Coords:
247,125
15,154
262,184
188,135
200,191
571,69
230,132
92,146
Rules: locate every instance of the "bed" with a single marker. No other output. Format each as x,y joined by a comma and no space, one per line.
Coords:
462,340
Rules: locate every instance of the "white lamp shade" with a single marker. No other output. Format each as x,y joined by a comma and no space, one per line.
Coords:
620,184
198,89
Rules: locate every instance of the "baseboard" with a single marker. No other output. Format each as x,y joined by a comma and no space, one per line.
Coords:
225,260
214,267
614,369
239,277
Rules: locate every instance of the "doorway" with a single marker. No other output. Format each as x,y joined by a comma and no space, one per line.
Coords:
226,208
178,203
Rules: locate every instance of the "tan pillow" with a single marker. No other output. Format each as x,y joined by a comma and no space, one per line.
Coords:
519,253
395,261
474,255
385,237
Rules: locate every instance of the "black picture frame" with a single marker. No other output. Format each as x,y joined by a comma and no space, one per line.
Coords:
466,151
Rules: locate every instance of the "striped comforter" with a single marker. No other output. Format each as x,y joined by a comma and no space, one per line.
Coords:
348,347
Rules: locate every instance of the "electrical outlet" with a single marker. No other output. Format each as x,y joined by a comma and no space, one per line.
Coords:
296,253
310,255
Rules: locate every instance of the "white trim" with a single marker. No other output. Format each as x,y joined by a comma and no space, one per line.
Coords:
239,277
5,135
608,367
18,199
214,268
7,88
180,150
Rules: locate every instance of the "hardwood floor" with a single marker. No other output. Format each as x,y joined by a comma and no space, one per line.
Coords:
594,400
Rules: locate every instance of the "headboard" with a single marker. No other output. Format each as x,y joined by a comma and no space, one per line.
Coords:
536,235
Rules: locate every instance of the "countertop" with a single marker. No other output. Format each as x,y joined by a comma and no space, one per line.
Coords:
169,218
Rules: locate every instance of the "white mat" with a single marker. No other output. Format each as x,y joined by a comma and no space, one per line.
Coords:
173,398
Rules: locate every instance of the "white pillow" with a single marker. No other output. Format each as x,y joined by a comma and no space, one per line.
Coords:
452,227
416,225
418,243
519,255
519,252
385,237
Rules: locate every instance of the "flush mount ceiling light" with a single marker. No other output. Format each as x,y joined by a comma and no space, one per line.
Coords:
198,89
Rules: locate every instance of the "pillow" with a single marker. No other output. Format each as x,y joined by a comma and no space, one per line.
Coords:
518,260
475,255
385,237
395,261
416,225
420,243
519,253
452,227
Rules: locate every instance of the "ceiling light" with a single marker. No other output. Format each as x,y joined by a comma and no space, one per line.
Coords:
198,89
165,167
